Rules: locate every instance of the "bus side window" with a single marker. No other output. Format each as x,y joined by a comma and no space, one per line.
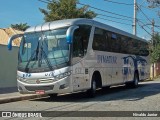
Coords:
115,42
80,42
124,45
100,40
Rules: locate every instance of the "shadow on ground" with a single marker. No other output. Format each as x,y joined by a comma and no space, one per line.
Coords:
115,93
8,90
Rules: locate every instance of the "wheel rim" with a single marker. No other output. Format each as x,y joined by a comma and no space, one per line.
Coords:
136,81
94,86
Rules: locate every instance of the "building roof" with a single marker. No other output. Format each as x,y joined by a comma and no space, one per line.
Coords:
6,33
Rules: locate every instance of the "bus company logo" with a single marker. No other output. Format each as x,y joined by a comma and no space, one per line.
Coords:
37,81
106,59
50,74
133,61
6,114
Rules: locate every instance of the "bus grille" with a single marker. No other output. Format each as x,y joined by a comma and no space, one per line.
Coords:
34,88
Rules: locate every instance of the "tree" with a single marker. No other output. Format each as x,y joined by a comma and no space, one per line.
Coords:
66,9
21,26
154,4
155,49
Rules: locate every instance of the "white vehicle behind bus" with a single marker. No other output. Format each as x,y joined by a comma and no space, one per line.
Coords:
73,55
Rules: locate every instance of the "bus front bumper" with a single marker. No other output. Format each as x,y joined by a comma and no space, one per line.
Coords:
60,86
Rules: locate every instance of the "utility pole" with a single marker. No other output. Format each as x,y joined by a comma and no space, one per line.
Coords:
135,18
153,24
153,44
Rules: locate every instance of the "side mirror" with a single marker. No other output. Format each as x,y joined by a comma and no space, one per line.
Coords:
13,37
69,33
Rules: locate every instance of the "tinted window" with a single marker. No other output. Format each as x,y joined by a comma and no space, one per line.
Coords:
112,42
106,41
80,41
101,40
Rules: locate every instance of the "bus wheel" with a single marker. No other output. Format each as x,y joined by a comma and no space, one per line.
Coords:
92,91
134,83
53,95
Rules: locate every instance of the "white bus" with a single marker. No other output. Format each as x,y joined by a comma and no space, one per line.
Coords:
67,56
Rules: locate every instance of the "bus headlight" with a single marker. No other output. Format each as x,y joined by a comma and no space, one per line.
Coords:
63,75
21,78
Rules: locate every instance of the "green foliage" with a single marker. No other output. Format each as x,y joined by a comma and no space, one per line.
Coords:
154,4
65,9
21,26
155,49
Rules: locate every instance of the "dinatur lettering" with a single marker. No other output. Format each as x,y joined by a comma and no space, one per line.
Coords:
106,59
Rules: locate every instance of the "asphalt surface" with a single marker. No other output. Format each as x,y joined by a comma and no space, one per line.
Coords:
117,101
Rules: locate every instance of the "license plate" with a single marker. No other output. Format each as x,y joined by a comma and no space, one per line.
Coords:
40,92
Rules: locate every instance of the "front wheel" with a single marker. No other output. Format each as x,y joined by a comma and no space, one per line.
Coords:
92,91
52,96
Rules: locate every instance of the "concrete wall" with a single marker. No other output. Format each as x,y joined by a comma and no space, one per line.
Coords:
8,66
157,69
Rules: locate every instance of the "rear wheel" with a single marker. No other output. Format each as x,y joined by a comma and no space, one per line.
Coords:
134,83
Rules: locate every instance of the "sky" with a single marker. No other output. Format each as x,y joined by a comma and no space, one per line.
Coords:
27,11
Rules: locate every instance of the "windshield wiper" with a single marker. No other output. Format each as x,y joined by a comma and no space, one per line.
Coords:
46,59
26,67
35,51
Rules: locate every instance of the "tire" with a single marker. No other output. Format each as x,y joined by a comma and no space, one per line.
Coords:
92,91
52,96
134,83
106,87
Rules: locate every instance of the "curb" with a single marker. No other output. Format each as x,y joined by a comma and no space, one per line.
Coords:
20,98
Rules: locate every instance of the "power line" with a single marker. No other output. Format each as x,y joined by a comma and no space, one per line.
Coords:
100,10
144,14
114,21
117,2
44,1
100,15
144,29
158,27
104,10
144,24
48,1
147,17
113,17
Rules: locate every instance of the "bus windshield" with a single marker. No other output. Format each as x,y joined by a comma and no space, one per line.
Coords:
43,51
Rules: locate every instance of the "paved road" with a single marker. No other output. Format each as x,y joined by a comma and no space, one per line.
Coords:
144,98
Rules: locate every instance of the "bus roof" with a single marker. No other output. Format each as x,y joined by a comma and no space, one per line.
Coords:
78,21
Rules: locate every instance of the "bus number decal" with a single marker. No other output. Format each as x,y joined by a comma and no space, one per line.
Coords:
27,75
78,70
